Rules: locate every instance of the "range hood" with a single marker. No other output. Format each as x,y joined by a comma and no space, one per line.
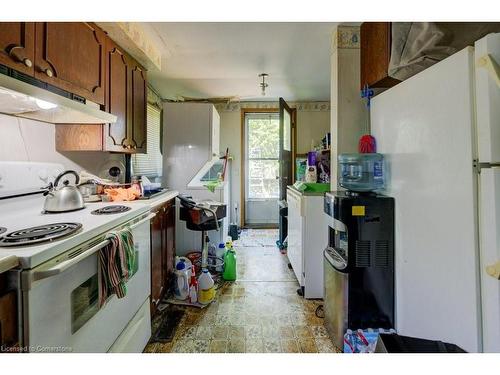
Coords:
21,99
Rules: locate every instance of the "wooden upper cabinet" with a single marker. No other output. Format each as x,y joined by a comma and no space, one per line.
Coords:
126,99
17,46
70,55
376,54
118,97
139,101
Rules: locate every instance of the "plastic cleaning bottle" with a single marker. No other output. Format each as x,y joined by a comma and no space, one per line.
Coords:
193,288
311,172
212,250
181,288
206,289
221,250
229,273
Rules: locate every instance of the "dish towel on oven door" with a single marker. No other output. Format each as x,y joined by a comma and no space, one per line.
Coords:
117,263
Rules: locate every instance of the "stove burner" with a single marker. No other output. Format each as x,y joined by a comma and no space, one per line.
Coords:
109,210
42,233
3,230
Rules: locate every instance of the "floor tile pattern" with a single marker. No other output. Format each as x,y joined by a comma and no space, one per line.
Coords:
259,313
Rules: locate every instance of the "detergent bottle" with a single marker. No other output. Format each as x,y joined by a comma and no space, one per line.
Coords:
181,287
220,254
229,273
193,287
206,289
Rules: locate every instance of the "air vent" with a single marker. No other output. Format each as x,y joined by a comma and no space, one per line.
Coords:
4,69
26,78
363,254
381,253
58,91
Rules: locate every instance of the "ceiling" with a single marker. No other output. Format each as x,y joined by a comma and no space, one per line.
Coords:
203,60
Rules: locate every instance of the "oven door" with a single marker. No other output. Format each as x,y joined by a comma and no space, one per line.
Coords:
61,303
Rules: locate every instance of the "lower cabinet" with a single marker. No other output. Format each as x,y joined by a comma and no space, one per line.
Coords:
162,252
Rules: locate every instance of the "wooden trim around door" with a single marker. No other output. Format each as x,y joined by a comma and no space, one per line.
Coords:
244,111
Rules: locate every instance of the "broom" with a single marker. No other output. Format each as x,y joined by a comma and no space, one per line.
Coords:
367,144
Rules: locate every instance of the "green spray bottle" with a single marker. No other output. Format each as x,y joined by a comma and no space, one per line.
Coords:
229,273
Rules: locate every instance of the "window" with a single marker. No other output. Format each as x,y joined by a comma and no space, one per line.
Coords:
262,135
150,164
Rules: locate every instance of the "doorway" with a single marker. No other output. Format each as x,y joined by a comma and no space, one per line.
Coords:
261,168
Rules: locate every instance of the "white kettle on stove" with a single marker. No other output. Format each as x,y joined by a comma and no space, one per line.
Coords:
65,198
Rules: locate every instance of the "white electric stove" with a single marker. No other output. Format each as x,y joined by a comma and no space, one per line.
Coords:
57,278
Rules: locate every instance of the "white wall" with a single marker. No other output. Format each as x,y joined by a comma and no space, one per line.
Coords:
313,122
348,115
28,140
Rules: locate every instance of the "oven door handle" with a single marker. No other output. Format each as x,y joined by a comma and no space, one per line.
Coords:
63,266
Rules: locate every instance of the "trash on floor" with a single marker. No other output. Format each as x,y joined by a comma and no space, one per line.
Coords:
362,341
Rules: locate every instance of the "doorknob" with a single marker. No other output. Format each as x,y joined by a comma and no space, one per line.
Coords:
494,270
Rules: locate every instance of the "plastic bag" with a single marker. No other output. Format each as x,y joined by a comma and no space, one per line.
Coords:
362,341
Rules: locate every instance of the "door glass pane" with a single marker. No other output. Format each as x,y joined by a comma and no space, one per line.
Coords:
262,181
287,124
263,137
84,302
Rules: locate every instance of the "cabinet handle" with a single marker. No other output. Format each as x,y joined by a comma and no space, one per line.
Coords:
16,57
49,72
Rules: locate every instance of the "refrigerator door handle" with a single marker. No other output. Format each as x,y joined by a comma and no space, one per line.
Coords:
487,62
494,270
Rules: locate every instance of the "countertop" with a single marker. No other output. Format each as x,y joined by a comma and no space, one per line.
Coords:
307,193
158,199
16,214
8,262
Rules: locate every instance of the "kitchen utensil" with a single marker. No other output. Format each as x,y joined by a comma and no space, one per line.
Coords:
87,189
65,198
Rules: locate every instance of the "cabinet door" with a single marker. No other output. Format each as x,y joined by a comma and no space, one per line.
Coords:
70,55
169,247
118,98
156,260
138,129
17,46
375,54
215,132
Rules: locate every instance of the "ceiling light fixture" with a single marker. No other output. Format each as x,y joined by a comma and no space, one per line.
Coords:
263,84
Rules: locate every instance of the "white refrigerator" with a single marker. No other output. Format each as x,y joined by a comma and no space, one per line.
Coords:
440,133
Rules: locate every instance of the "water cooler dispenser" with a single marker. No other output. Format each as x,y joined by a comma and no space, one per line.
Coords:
358,262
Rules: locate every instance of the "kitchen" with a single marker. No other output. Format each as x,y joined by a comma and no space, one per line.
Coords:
122,139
